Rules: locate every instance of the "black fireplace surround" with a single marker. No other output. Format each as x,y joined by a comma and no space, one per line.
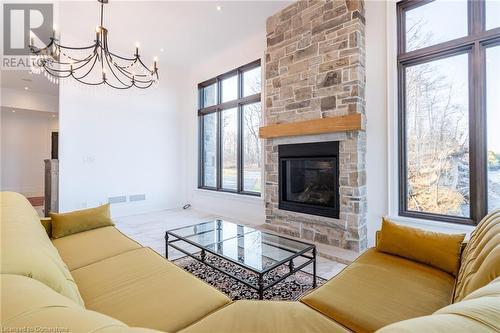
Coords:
309,178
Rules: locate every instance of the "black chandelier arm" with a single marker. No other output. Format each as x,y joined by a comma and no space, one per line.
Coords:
146,82
56,75
37,50
145,67
120,57
127,73
116,87
78,62
88,83
54,41
86,63
90,69
124,71
113,72
66,70
75,60
106,47
126,67
60,46
49,71
145,87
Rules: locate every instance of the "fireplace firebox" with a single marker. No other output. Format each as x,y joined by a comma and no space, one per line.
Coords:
309,178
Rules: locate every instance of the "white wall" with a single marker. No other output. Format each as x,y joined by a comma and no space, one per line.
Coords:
26,142
116,143
376,114
119,143
237,207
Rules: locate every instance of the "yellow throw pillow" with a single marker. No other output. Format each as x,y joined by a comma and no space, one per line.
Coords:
435,249
47,224
65,224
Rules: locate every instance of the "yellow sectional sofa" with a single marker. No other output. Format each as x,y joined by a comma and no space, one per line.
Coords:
102,281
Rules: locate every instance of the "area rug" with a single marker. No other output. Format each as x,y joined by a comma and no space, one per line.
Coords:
292,288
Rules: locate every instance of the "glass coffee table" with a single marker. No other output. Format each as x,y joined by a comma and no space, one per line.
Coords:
257,251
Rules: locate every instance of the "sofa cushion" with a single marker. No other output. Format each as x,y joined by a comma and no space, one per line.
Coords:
265,317
64,224
28,305
481,257
88,247
26,248
379,289
436,249
141,288
478,312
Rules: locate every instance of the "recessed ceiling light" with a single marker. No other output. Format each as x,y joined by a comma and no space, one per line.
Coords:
53,116
219,8
26,88
162,49
13,111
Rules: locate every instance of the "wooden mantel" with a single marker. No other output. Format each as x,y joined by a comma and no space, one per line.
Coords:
352,122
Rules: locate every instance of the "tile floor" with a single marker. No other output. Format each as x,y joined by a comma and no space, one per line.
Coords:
149,230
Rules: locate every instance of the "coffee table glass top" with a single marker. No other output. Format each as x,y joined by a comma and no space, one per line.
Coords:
255,249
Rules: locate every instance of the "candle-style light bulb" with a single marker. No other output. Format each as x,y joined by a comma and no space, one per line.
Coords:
137,44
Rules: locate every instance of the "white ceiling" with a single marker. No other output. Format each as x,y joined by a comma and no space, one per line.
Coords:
187,31
20,79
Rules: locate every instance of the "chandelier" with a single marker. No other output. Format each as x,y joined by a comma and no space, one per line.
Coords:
93,65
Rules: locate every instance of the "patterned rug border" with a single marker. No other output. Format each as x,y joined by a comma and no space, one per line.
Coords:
291,288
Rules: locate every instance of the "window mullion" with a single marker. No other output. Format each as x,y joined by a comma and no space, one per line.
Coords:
476,16
240,149
201,159
219,150
239,153
477,130
219,137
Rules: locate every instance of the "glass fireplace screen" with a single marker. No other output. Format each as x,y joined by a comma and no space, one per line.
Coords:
310,181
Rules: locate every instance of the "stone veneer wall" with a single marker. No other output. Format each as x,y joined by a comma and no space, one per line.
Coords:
315,68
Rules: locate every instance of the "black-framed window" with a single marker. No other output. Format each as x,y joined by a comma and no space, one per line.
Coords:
448,109
229,114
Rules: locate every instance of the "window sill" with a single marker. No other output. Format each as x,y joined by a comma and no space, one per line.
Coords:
438,226
231,196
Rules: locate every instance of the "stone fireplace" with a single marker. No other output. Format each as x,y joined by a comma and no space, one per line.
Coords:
314,87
